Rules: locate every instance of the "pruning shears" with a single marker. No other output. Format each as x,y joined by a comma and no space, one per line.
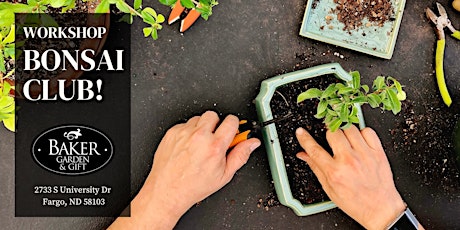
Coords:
249,129
188,16
441,23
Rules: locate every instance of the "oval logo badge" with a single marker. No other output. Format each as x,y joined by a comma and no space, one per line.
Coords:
72,150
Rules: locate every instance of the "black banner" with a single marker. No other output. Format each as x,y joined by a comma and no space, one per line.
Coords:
73,119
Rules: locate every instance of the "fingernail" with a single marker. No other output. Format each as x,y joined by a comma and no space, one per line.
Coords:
254,146
299,131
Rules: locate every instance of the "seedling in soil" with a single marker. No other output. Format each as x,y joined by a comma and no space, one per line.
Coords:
336,102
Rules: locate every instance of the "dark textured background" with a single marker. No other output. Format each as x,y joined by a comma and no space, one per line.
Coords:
219,65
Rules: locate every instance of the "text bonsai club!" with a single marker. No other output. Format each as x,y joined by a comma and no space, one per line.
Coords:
79,60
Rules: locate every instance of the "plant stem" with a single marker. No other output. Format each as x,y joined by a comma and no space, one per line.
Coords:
287,103
133,10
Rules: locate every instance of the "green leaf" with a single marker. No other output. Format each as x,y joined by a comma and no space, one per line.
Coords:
335,124
44,2
395,103
160,18
334,101
321,115
359,99
329,118
344,113
365,88
6,88
356,78
10,123
345,90
353,119
309,94
330,90
332,112
2,62
9,51
16,7
187,4
69,5
401,95
103,7
205,10
387,104
58,3
147,31
379,83
10,37
121,5
32,2
149,15
322,106
168,2
339,86
383,95
7,18
137,4
374,100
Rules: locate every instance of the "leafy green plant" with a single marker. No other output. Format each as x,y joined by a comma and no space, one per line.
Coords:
147,14
150,16
6,46
336,102
7,27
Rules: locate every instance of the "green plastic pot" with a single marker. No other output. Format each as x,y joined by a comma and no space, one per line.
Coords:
270,135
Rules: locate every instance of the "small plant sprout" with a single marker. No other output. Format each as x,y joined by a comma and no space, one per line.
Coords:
147,14
336,102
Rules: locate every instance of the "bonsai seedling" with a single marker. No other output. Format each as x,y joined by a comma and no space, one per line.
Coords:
336,102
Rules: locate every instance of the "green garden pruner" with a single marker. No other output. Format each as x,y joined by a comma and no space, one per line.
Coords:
442,22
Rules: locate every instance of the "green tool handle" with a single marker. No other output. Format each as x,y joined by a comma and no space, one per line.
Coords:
441,45
456,34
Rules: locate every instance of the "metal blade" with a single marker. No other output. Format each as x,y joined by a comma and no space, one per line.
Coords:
441,10
431,15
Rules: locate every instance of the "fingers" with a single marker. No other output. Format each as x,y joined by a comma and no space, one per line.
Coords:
355,138
313,166
371,138
227,130
193,121
208,121
338,141
239,156
316,153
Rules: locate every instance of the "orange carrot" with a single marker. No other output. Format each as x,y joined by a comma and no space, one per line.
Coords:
188,21
176,12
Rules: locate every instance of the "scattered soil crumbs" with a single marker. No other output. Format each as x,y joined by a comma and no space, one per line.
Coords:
425,138
268,202
352,12
303,182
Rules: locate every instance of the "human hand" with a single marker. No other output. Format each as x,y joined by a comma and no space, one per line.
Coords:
357,178
189,165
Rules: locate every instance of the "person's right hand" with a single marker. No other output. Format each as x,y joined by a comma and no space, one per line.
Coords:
358,177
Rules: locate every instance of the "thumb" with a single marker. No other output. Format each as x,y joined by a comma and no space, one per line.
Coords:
239,156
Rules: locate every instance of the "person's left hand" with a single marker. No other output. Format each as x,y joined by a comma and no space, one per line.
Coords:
190,164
